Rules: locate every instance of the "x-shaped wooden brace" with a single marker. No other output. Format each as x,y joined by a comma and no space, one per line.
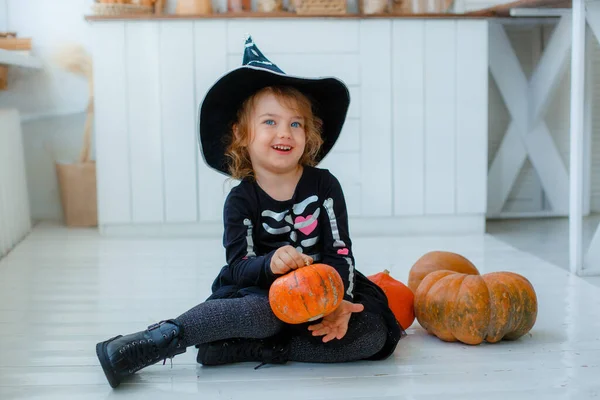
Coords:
527,134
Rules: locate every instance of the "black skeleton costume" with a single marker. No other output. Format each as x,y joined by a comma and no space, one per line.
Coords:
315,221
236,323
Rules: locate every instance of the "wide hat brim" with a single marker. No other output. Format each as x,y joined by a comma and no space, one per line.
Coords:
330,98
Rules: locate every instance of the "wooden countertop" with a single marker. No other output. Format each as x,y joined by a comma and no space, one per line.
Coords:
275,15
498,11
503,10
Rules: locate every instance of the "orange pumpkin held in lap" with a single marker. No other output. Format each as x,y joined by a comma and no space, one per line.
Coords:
306,294
400,298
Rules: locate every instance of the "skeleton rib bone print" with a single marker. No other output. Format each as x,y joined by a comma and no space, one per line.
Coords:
272,214
300,207
283,222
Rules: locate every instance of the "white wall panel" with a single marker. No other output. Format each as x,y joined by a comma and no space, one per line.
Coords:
211,63
440,117
471,117
408,102
113,167
376,118
143,108
178,121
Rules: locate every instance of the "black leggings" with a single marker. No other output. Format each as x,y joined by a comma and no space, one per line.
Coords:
251,317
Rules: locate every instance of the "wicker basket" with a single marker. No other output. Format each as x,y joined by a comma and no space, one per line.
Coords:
269,5
401,6
3,77
120,9
373,6
313,7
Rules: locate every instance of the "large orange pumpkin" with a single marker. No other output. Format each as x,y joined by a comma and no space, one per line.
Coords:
435,261
400,298
476,308
306,294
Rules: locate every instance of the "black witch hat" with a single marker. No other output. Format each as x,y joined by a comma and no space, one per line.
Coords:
330,98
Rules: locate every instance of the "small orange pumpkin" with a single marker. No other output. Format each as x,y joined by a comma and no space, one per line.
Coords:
306,294
400,298
435,261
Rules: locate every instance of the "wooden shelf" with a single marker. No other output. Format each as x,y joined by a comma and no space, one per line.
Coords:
276,15
497,11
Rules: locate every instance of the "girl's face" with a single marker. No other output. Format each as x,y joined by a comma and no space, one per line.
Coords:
277,136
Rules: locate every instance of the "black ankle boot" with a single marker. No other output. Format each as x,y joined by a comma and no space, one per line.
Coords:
265,351
122,356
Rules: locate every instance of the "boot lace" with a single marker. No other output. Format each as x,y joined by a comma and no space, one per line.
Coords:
273,355
140,353
143,352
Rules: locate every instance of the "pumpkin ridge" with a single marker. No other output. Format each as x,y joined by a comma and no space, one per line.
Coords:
463,278
301,295
462,282
511,323
517,319
424,310
437,328
518,322
520,328
324,286
470,304
335,293
493,308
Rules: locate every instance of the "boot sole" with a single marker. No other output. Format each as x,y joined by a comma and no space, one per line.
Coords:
105,363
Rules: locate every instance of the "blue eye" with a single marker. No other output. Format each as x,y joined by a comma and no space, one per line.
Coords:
269,122
296,124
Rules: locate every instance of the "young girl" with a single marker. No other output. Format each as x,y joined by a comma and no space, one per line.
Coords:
269,130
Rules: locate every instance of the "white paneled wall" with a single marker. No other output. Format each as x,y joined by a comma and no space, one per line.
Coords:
412,157
15,220
439,112
51,91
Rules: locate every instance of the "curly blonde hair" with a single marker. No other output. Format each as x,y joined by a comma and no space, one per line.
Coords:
237,152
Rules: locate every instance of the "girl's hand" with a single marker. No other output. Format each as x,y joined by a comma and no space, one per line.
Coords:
287,258
335,325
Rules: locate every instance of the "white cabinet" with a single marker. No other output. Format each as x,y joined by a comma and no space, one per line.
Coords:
412,157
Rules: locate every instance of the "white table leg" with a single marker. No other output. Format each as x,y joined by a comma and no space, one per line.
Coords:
576,137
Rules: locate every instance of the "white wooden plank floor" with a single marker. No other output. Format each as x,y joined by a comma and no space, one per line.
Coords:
61,291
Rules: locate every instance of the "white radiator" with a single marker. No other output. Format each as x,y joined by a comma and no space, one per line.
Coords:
15,217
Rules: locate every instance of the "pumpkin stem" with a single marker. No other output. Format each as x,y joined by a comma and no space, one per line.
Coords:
385,271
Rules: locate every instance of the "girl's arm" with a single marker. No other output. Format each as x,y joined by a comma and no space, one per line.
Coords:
246,266
337,248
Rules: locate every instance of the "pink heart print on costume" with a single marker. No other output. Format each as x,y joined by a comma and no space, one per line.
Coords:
307,230
343,252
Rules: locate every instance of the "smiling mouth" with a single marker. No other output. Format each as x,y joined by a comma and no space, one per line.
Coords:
282,148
